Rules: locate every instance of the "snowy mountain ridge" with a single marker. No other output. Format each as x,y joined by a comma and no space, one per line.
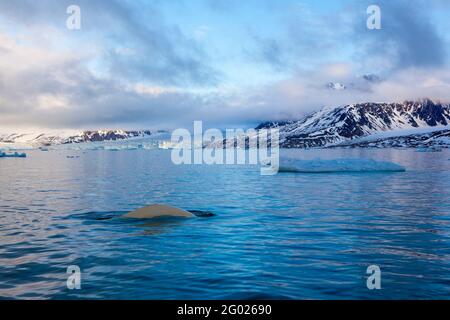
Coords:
37,139
345,124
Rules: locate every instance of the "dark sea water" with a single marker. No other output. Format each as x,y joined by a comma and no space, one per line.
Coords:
293,236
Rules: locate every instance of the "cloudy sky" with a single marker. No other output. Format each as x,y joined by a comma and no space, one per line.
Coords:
165,63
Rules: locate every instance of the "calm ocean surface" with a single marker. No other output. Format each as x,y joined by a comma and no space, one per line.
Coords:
293,236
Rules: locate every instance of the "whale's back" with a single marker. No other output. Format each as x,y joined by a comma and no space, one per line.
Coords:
158,210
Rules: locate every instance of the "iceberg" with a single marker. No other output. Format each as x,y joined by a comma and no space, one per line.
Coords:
12,155
112,148
338,165
121,147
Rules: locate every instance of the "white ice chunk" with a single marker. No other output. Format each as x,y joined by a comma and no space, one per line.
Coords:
338,165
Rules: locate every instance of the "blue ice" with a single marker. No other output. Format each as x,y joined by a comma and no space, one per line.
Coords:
338,165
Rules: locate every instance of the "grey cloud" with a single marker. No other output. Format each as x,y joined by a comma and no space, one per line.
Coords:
308,37
97,103
92,102
408,36
270,51
161,53
372,78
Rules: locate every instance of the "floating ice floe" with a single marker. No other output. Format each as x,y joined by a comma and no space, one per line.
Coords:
338,165
123,147
112,148
12,155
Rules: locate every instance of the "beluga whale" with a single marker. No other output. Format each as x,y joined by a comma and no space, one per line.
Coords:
157,211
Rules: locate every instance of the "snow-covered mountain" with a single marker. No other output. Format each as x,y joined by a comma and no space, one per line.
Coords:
336,86
427,139
346,124
37,139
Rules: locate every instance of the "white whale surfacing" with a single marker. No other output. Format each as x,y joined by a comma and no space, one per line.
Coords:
158,210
